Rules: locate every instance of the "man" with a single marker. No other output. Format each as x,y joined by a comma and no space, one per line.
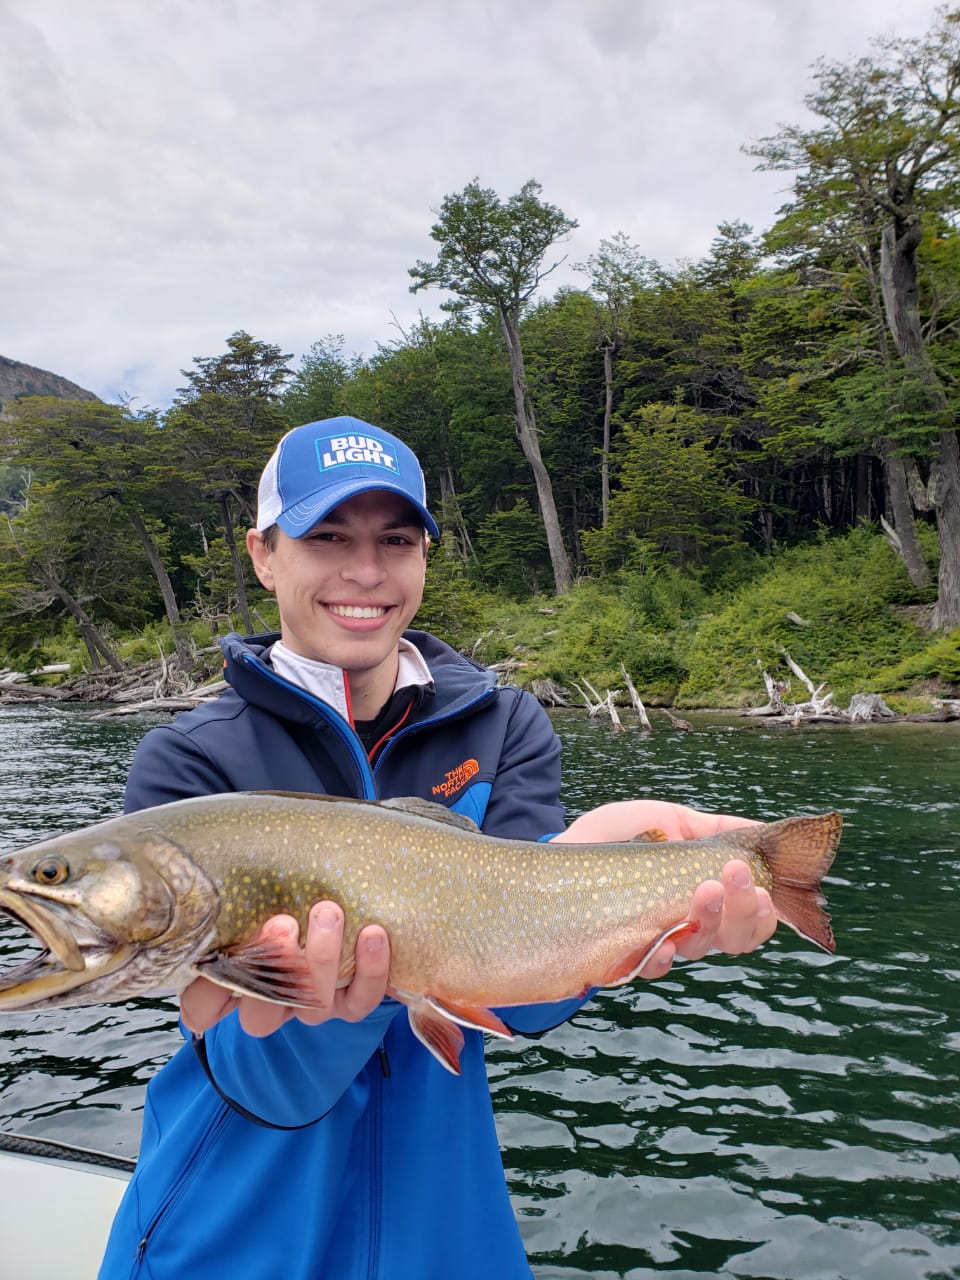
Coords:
306,1144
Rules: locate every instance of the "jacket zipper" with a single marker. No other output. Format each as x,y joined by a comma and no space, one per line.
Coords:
212,1132
378,1076
347,735
428,724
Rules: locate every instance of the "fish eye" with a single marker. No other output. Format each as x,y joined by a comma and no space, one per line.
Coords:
51,870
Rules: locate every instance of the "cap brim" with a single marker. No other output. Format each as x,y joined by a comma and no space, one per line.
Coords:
297,521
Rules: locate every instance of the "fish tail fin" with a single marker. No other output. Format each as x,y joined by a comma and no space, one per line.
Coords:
800,852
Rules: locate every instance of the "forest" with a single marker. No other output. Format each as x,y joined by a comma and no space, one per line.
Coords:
691,469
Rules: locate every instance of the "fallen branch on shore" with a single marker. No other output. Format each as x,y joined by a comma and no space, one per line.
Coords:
864,708
599,705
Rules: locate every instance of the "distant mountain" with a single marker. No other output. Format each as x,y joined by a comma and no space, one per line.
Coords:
18,379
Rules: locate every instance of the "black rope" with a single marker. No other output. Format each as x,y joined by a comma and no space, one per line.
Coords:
48,1149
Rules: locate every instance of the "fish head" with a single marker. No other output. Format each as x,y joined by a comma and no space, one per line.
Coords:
119,909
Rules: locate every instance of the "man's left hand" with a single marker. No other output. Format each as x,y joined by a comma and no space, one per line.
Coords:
734,915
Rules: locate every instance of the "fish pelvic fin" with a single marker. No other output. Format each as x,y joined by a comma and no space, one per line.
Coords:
799,853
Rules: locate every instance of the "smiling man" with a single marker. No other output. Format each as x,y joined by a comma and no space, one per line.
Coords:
307,1144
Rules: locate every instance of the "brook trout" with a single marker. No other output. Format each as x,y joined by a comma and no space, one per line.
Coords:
150,900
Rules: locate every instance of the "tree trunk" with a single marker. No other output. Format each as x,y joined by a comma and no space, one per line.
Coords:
605,448
946,615
97,647
530,444
230,534
459,546
898,279
901,509
166,586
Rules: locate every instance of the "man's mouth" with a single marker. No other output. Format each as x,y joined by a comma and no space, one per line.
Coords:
358,610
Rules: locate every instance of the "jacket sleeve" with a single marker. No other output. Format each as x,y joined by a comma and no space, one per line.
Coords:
524,800
300,1072
169,766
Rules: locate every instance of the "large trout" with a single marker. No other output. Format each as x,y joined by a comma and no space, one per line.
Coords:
148,901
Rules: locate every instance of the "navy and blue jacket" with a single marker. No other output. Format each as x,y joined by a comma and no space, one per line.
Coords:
361,1172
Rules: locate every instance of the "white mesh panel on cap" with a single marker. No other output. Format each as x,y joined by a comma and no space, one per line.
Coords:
269,504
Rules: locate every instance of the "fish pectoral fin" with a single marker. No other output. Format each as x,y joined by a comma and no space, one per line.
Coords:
262,969
437,1033
629,966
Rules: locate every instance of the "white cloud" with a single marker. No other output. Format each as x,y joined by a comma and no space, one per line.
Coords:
176,171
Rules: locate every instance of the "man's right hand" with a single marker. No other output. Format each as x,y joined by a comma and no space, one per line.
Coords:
204,1003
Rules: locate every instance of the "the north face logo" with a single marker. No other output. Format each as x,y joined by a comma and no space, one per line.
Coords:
337,450
456,778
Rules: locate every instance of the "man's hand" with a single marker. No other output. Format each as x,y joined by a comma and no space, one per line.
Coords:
734,915
204,1002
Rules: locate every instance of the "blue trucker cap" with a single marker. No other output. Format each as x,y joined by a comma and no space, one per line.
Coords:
317,466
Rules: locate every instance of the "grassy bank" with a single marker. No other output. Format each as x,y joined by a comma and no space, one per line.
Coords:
843,607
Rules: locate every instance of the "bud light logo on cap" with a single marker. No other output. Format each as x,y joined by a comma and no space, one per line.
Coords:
335,451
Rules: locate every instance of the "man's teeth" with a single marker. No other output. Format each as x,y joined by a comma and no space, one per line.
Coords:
358,611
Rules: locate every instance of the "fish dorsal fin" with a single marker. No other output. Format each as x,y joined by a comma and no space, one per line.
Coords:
430,809
416,806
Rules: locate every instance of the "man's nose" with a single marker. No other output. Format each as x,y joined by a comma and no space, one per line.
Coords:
365,566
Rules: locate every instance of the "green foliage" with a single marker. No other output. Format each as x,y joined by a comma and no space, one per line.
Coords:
845,592
453,607
674,491
491,250
935,666
641,620
512,550
316,389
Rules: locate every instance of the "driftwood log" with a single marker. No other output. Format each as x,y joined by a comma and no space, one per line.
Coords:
864,708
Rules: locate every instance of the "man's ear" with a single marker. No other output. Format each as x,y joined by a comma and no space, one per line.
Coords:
259,553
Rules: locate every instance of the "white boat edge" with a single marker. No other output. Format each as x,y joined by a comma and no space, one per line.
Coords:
55,1215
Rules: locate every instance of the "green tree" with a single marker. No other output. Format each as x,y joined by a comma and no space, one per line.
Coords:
55,561
617,272
884,161
316,389
673,492
491,256
103,457
222,426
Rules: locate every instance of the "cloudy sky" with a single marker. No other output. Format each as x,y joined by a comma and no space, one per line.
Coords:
175,170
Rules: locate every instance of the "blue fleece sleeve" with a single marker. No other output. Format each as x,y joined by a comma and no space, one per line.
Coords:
299,1073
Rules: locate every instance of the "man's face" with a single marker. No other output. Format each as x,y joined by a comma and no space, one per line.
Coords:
349,588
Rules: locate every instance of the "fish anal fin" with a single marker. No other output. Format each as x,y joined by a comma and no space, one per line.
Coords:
469,1015
437,1033
799,852
265,970
629,966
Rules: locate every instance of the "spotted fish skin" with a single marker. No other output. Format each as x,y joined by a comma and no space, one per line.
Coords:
151,899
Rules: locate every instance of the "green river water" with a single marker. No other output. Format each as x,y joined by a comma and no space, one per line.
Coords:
786,1115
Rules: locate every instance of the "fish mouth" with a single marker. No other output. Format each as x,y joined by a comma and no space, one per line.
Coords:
62,963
